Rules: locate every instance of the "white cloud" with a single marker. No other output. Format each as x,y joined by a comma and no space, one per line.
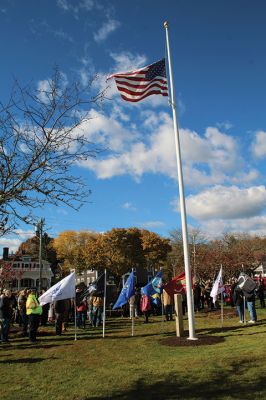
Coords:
222,202
86,5
129,206
152,224
225,125
253,226
64,4
45,88
13,241
107,28
149,147
127,61
259,145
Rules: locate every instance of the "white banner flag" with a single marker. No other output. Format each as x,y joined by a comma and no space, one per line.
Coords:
64,289
218,287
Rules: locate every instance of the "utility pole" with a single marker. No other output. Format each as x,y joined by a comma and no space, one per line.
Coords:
39,232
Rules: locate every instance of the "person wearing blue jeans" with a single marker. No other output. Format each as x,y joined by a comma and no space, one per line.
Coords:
250,299
238,299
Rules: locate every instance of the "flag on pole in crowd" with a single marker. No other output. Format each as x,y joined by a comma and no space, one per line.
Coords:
218,287
155,287
127,291
64,289
177,285
136,85
96,287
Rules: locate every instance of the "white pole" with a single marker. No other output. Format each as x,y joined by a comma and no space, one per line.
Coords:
75,317
132,307
190,305
222,310
133,312
222,303
104,303
244,310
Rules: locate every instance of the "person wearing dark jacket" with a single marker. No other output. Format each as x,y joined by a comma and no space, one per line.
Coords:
59,310
6,312
260,294
238,299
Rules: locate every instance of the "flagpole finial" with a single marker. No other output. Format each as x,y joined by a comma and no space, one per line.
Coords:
166,25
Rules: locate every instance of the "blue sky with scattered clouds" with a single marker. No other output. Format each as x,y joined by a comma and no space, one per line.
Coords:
219,63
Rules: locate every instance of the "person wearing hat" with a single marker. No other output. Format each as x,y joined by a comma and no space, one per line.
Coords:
34,311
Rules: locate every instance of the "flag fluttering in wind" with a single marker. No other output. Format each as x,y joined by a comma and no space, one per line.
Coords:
64,289
96,287
218,287
136,85
155,287
177,285
127,291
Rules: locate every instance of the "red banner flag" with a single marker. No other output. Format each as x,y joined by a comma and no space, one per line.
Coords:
177,285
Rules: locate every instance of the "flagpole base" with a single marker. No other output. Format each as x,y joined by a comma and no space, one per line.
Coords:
192,338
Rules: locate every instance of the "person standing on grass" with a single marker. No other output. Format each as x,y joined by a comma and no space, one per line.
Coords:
260,294
145,307
59,310
97,310
167,301
238,299
22,300
34,311
197,297
250,299
6,312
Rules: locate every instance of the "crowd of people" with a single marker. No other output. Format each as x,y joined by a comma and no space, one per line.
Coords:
23,308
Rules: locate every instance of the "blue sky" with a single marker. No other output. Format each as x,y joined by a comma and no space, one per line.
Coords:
219,63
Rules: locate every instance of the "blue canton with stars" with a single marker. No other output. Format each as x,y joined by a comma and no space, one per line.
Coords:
155,70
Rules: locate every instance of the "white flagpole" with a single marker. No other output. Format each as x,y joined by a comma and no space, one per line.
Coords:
222,303
133,311
190,305
104,303
75,317
244,309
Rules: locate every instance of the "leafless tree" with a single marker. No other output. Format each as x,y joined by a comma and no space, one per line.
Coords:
42,137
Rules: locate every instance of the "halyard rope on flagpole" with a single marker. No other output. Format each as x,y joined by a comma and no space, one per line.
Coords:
191,318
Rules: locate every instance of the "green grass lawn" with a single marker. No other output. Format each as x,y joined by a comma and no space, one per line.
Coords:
141,367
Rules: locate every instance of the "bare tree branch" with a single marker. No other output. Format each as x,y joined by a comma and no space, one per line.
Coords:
41,138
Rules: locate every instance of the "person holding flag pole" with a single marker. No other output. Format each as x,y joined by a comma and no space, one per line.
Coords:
64,289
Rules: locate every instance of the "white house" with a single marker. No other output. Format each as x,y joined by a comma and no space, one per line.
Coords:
27,271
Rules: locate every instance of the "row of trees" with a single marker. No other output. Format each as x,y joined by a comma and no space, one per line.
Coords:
120,249
235,252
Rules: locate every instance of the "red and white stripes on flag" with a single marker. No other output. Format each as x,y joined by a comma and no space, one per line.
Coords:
136,85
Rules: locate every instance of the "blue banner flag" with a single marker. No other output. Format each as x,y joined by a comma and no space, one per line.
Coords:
155,286
127,291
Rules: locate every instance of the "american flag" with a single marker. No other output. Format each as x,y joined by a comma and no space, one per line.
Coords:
136,85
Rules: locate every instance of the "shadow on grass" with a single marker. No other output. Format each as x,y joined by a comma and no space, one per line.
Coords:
37,345
26,360
231,329
219,386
